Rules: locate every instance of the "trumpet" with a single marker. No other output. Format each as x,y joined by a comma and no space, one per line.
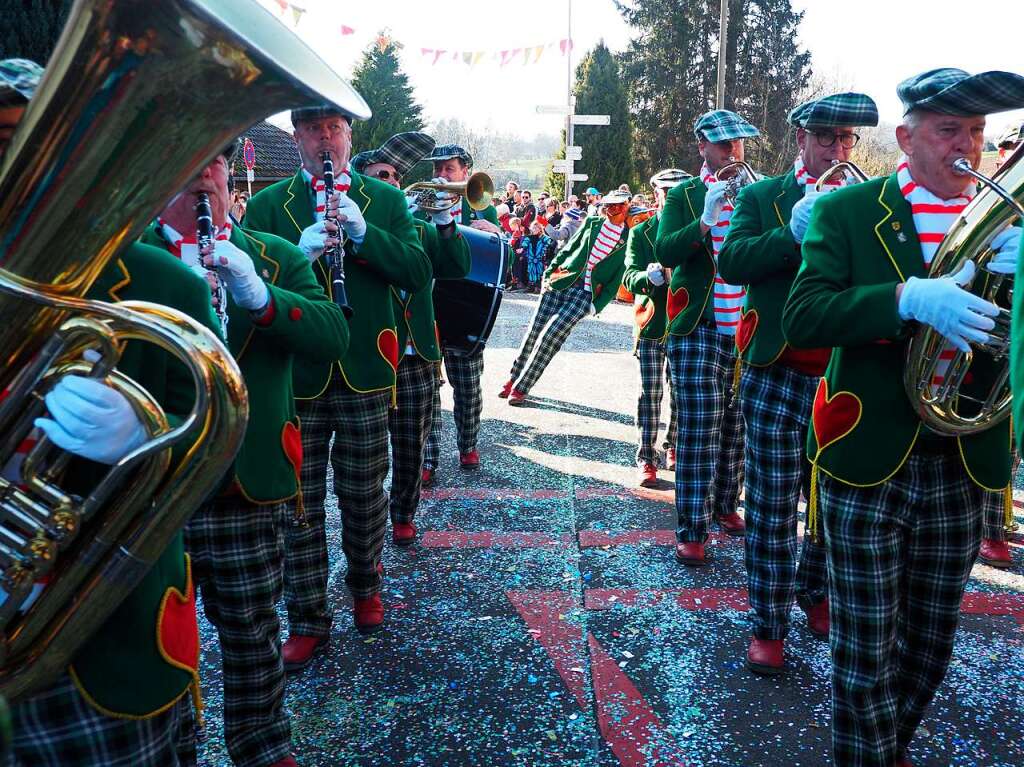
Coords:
849,170
738,174
477,189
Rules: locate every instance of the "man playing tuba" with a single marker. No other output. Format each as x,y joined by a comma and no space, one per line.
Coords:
901,505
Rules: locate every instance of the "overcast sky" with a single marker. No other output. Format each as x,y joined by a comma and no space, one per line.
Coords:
870,45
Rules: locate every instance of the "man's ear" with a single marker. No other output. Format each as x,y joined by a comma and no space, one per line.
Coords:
903,138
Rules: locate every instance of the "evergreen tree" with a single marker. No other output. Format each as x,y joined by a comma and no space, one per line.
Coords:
31,28
380,80
672,65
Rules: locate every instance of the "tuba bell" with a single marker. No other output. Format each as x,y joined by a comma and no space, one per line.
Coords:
477,189
138,96
955,405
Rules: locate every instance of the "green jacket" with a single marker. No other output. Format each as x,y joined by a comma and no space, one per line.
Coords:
487,214
1017,353
145,656
681,247
649,318
860,244
391,255
449,259
569,264
307,328
759,252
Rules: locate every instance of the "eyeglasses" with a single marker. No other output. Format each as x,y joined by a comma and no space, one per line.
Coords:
846,140
384,175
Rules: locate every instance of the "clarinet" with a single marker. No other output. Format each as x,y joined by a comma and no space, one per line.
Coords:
204,239
334,256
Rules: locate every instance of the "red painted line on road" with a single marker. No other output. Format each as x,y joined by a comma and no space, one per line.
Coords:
626,720
491,494
593,538
980,603
460,539
687,599
586,493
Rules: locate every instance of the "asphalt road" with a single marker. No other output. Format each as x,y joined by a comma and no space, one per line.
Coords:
542,619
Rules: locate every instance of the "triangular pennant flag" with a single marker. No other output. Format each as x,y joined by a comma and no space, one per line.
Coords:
346,30
283,5
383,41
504,57
538,51
297,14
476,58
467,57
455,55
437,54
426,51
565,45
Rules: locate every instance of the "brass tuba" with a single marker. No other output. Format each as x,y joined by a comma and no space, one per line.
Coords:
138,96
477,189
956,406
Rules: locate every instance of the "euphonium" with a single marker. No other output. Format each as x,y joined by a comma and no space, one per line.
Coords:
738,174
137,98
957,406
849,170
477,189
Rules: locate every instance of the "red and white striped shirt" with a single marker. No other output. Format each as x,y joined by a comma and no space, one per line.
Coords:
607,238
933,218
728,299
342,183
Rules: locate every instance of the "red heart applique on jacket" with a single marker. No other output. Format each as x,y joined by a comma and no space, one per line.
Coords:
387,345
178,628
833,417
745,331
678,300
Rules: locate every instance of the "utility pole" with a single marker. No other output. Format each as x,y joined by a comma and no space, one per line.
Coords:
723,29
569,101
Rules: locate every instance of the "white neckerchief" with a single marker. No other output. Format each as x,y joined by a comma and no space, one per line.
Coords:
804,178
342,183
728,298
186,248
607,238
933,218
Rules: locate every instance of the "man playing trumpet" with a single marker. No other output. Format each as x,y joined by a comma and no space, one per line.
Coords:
762,252
901,505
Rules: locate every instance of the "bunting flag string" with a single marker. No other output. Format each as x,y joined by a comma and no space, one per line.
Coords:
527,55
297,12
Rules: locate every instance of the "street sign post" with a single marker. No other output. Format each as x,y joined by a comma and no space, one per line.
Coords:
574,153
591,119
554,109
578,176
561,166
249,158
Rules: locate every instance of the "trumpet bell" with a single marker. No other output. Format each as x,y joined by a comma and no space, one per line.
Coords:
845,170
477,189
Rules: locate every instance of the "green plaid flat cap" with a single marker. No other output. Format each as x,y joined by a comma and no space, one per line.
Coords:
669,177
723,125
615,196
835,111
402,151
449,151
954,92
352,108
19,76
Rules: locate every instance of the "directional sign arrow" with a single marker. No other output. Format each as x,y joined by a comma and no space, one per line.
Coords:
591,119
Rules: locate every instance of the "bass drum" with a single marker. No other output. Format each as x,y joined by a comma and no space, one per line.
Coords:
466,309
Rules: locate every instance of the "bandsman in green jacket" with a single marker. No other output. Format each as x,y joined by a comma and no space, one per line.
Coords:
648,286
128,686
410,419
277,316
581,279
762,253
901,505
347,398
453,163
703,314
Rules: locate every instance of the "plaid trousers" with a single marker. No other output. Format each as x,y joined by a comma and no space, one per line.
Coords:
899,556
555,317
58,728
776,402
409,424
464,372
709,439
358,424
993,519
237,552
650,355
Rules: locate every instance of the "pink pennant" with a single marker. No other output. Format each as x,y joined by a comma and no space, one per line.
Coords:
283,5
565,45
346,30
438,54
426,51
504,57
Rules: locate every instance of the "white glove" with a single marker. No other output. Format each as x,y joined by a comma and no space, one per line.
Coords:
313,240
412,203
92,420
238,272
714,201
656,274
351,219
593,310
801,215
444,217
958,315
1006,244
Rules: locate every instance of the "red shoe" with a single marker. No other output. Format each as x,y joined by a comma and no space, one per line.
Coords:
299,650
470,460
670,459
506,389
995,553
817,618
692,554
516,398
648,475
765,656
368,614
403,533
733,524
288,761
427,480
